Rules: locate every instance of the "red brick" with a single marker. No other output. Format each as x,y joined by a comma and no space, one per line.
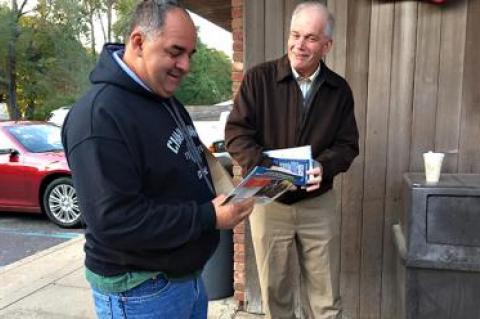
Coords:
237,76
235,87
237,3
237,12
238,46
239,248
238,56
237,66
239,238
240,228
239,257
239,287
237,35
239,266
237,28
237,23
239,277
239,296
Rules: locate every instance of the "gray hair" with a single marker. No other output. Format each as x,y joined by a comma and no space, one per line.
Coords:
320,7
150,15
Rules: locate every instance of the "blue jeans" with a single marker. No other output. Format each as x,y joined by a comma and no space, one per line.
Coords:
156,298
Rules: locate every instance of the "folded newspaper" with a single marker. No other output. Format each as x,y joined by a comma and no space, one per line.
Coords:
264,184
298,160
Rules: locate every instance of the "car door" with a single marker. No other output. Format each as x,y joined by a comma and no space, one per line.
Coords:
12,176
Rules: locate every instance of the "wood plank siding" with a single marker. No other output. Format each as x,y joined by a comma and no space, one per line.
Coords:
414,68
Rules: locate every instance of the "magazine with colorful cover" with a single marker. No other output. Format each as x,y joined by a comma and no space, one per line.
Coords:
264,184
298,160
296,166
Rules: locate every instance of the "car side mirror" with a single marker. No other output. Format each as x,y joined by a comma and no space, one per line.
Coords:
10,151
14,152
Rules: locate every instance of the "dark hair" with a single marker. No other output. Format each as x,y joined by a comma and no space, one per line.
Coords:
149,15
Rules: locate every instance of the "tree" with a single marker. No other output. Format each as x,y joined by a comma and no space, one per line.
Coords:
13,18
109,8
209,80
124,10
53,67
46,65
90,9
4,38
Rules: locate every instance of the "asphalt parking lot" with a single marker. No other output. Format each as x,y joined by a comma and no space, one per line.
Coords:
22,235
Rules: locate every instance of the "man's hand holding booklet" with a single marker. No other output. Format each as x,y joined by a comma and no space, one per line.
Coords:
298,160
291,167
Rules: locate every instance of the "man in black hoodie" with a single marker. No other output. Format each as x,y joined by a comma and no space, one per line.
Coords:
141,177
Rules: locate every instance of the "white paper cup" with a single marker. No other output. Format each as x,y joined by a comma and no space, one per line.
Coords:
433,166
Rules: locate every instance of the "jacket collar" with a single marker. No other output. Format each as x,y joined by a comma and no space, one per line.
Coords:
284,71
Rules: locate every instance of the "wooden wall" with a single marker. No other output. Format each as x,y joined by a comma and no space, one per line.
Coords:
414,68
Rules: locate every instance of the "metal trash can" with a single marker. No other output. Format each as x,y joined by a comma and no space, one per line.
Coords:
218,272
438,245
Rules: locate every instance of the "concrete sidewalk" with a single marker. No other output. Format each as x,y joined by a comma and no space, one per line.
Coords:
51,285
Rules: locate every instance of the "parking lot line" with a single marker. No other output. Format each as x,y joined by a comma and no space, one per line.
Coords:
63,235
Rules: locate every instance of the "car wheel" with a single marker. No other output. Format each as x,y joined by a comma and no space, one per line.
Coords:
61,204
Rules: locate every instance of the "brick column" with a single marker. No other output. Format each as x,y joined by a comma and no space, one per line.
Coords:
239,231
237,34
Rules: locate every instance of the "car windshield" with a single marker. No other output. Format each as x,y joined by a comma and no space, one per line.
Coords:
38,138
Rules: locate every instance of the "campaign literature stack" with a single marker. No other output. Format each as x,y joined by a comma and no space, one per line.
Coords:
297,160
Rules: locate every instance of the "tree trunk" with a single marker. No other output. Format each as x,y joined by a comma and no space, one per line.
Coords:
100,21
30,111
92,33
109,20
12,83
12,106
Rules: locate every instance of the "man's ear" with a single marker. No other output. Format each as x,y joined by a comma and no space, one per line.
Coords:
136,41
327,47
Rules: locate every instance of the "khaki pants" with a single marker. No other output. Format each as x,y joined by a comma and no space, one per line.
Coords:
313,226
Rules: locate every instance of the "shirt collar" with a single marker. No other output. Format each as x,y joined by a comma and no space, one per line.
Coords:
284,71
311,78
126,68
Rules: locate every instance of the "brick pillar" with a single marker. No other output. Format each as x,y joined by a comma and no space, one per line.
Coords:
237,34
239,231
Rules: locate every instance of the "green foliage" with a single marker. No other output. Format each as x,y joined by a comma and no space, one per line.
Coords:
124,9
209,80
5,18
52,66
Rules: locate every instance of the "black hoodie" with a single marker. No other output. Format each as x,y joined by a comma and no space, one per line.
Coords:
144,201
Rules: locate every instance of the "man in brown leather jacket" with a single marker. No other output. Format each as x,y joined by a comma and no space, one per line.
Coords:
294,101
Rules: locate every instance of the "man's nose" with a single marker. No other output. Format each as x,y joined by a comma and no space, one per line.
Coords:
299,43
183,63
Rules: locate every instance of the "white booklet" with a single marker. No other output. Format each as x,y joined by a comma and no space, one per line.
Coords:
300,152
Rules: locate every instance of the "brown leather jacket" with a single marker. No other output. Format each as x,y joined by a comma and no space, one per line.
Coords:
270,112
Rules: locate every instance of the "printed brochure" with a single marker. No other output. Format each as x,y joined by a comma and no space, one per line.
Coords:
264,184
298,160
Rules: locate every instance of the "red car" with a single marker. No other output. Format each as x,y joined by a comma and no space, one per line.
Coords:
34,175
